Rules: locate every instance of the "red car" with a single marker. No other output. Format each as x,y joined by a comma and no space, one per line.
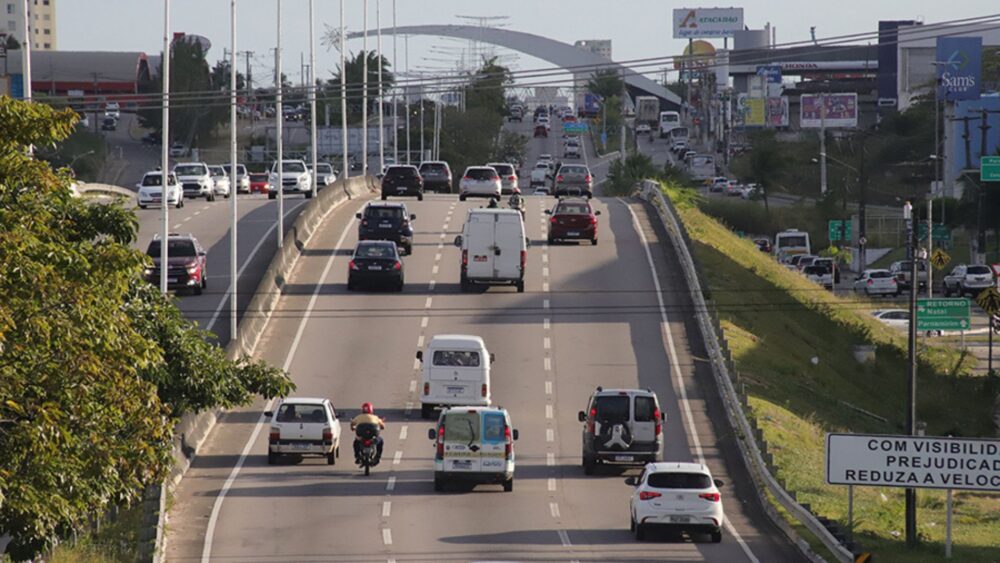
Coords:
541,130
573,219
259,182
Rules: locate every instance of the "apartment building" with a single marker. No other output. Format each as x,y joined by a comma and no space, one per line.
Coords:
43,22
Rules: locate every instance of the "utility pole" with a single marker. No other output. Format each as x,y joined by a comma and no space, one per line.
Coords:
967,137
346,172
911,384
862,219
822,144
233,180
312,95
406,93
280,121
621,140
421,120
164,149
395,91
381,111
364,96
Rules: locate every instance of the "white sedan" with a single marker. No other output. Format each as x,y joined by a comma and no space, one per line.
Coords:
678,496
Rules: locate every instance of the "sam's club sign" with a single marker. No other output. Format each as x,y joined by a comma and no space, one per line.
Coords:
959,67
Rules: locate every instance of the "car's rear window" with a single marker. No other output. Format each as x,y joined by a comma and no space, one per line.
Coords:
183,248
612,407
301,413
816,270
493,427
259,177
881,274
481,174
384,213
679,481
401,172
462,427
573,209
157,180
456,358
645,409
572,170
376,251
978,270
436,168
190,170
503,169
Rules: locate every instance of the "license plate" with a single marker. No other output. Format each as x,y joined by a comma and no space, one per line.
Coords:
624,458
456,390
479,259
680,519
300,446
401,189
375,267
461,464
573,233
171,280
385,225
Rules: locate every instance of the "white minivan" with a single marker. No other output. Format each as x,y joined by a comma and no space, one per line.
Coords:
473,445
455,372
494,248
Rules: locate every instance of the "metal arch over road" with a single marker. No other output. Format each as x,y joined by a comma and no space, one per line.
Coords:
556,52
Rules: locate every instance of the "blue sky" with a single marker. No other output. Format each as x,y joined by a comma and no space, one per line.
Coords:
638,28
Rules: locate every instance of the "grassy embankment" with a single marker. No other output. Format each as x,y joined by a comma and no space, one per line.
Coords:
776,322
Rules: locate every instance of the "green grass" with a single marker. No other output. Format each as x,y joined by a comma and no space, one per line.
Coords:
776,323
116,542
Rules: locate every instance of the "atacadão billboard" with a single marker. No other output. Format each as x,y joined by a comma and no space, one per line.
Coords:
707,22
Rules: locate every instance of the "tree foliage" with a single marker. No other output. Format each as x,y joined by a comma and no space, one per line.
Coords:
606,83
94,363
623,175
354,76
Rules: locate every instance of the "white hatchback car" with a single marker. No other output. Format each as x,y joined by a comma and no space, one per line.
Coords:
304,426
877,282
678,496
480,181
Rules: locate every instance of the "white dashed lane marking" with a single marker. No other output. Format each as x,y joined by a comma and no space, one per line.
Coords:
390,484
550,459
545,304
552,484
386,509
548,387
434,270
547,342
548,411
402,432
397,457
427,304
550,435
545,286
548,364
386,536
564,538
408,409
546,324
413,386
554,509
424,321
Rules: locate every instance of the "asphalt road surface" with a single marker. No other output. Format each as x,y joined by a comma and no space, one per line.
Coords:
591,315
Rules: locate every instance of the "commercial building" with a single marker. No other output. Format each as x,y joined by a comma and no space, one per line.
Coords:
600,47
86,75
43,22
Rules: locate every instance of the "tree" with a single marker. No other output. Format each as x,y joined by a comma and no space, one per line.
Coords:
470,137
766,162
624,174
606,83
95,365
355,74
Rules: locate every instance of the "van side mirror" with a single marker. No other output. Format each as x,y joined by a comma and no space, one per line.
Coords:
357,215
548,212
493,357
582,416
268,414
719,482
458,241
431,434
413,217
632,481
514,434
420,355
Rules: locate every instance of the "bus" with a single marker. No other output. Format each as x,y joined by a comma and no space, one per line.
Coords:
791,242
668,120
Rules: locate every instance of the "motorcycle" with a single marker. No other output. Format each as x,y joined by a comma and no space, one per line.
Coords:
517,204
367,434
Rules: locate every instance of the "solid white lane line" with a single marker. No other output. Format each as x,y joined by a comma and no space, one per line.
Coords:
413,385
550,435
676,369
548,411
386,536
397,457
564,538
434,270
548,364
550,459
386,509
548,387
424,321
427,304
554,509
420,341
390,484
206,552
552,483
547,343
402,432
545,303
546,323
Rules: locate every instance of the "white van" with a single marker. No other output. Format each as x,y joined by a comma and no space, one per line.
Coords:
456,371
473,445
494,248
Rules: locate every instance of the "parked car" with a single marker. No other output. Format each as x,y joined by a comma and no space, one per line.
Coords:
676,496
295,179
572,219
876,282
260,182
402,180
196,180
220,179
387,221
187,262
436,175
242,179
967,279
474,445
303,426
150,190
375,263
574,179
508,176
479,181
622,427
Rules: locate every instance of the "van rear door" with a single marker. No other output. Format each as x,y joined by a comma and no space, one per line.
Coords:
494,442
457,375
462,442
481,246
509,237
645,417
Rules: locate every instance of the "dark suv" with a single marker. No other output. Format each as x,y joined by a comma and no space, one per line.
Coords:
622,427
187,263
402,180
436,175
387,221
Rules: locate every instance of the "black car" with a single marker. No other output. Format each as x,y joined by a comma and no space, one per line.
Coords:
375,263
109,124
387,221
402,180
436,175
152,139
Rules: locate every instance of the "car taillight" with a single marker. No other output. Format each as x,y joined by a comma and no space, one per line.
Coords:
711,497
465,257
593,219
274,436
524,259
512,178
590,420
327,435
893,281
440,443
648,495
508,447
352,265
559,178
466,178
553,220
587,178
427,388
398,265
484,389
659,421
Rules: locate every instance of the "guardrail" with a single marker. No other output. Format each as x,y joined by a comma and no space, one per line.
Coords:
746,434
87,188
193,428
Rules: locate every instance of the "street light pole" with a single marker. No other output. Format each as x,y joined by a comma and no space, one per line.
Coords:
346,172
164,151
911,381
395,91
364,95
822,144
381,111
233,178
280,120
312,96
406,93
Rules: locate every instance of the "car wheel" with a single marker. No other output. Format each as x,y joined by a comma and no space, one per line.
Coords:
331,458
409,249
420,197
520,286
227,196
508,485
204,281
196,290
426,411
210,197
438,484
589,464
593,241
640,532
399,286
271,195
550,240
461,197
350,285
631,523
272,458
384,197
180,204
464,284
141,206
309,195
717,536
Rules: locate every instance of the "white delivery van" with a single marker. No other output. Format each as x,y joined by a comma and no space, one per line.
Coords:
494,248
455,371
473,445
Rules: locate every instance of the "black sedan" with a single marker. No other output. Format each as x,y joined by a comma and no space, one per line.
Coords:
375,263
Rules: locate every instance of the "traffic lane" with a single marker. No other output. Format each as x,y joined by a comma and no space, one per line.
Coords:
197,492
484,521
357,347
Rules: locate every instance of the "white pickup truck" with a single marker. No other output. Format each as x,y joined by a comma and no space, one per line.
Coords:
541,174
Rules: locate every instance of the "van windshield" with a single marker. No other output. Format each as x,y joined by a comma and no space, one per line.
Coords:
456,358
462,427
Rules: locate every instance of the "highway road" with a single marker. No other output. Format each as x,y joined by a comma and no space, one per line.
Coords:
591,315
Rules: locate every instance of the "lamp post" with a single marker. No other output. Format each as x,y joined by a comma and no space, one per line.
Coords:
364,94
164,149
280,122
911,382
312,96
346,172
233,177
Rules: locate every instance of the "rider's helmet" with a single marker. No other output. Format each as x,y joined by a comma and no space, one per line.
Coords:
367,408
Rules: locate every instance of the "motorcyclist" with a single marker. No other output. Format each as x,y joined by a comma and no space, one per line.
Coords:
493,203
367,416
515,201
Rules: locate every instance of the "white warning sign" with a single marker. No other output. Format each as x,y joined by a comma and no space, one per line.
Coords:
913,462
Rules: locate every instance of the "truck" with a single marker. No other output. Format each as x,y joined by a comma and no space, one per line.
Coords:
679,139
668,120
647,113
591,105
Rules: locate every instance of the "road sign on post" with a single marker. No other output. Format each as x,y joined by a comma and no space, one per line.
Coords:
989,168
941,233
943,314
940,258
839,230
989,300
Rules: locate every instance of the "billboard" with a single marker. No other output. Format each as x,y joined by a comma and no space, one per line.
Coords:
776,112
913,461
960,76
707,22
841,110
754,115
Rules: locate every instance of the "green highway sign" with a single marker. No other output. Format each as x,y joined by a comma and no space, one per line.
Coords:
941,232
837,227
989,168
943,314
574,127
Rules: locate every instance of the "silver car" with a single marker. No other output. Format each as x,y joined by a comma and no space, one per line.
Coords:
479,181
574,179
508,176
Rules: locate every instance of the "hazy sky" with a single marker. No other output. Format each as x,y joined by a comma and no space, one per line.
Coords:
637,28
